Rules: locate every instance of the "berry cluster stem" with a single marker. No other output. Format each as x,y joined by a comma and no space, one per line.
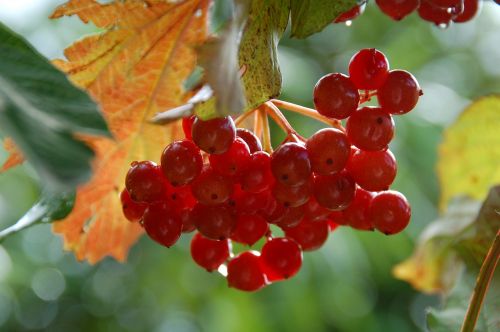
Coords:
282,122
309,112
367,96
482,283
266,134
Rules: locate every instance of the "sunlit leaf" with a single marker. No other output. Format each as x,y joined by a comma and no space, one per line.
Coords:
469,156
15,156
134,69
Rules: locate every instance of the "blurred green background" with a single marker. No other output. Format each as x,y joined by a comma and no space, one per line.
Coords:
345,286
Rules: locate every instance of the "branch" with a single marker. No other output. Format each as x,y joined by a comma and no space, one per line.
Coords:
33,216
482,283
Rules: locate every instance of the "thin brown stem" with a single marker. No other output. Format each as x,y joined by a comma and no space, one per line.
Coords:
367,96
243,117
282,122
257,124
482,282
266,134
309,112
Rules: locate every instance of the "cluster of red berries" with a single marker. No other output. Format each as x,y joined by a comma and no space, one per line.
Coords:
439,12
219,181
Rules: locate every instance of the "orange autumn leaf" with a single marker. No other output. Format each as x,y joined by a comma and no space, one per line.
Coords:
15,156
134,69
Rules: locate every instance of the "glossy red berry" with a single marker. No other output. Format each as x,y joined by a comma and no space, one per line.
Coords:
233,161
368,69
188,225
248,203
290,164
314,211
281,258
145,182
211,187
132,210
397,9
328,150
252,141
292,196
334,192
286,217
244,272
390,212
351,14
370,129
471,9
356,214
214,136
257,176
373,170
337,217
310,235
187,126
335,96
215,222
162,224
440,16
400,92
249,229
207,253
446,3
181,162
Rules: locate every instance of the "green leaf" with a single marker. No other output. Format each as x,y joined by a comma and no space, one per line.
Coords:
42,111
258,55
311,16
51,207
462,235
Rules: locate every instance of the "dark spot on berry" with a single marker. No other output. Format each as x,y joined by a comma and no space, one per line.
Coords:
214,196
284,177
211,150
329,161
380,120
174,196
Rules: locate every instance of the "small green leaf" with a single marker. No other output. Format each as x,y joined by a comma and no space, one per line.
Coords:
42,111
51,207
311,16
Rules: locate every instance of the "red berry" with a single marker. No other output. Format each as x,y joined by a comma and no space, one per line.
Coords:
290,164
432,13
351,14
188,225
247,202
446,3
334,192
249,229
335,96
257,176
292,196
181,162
400,92
370,128
132,210
187,126
471,9
162,224
368,69
214,136
328,150
390,212
252,141
397,9
356,214
310,235
207,253
281,258
337,217
233,161
145,182
373,170
211,187
244,272
180,197
286,217
314,211
216,222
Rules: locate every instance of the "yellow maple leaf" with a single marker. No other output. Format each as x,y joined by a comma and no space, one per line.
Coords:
469,156
134,69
